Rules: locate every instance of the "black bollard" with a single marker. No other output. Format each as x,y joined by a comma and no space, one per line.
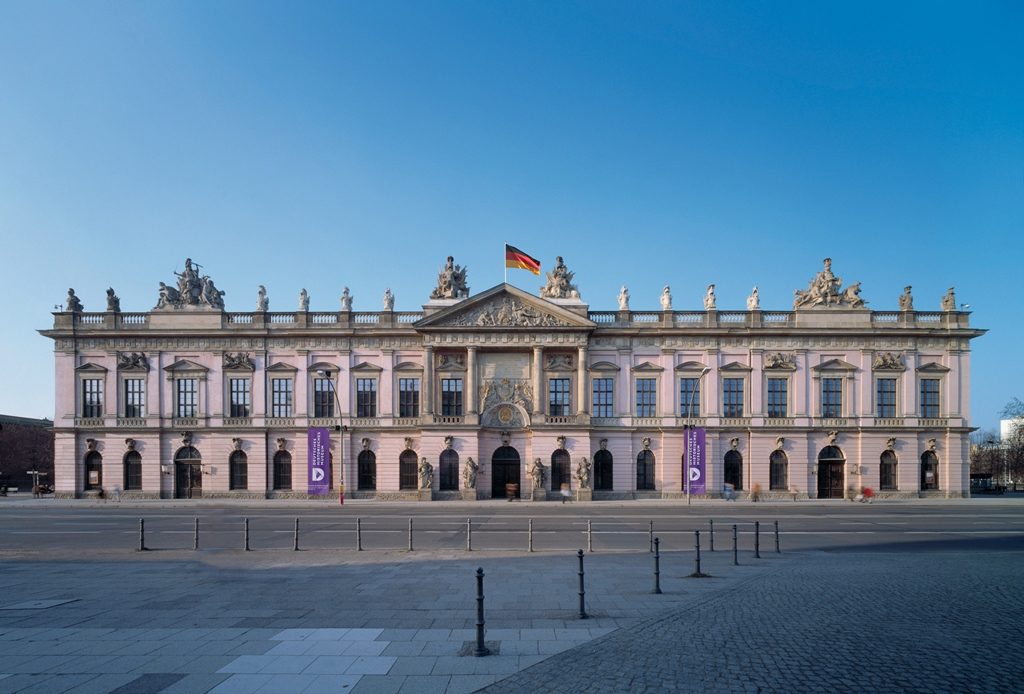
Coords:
410,534
195,536
469,534
246,533
711,532
777,550
735,548
295,544
590,538
529,537
650,535
142,534
359,534
697,573
657,567
583,612
757,539
480,650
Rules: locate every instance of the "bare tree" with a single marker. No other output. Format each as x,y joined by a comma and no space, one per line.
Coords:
1013,451
1013,409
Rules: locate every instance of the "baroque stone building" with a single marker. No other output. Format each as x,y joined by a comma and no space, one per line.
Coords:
504,391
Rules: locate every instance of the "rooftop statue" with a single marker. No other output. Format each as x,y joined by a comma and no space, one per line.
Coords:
113,301
559,284
262,302
824,290
709,298
949,300
73,303
346,300
303,300
451,282
666,299
389,300
623,299
906,299
754,300
193,290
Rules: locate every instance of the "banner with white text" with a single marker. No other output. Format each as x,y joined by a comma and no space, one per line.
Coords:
695,460
319,456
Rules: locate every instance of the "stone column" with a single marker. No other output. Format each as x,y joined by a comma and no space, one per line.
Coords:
471,406
428,381
538,371
581,380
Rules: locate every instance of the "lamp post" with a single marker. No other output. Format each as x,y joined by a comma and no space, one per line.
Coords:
322,373
687,426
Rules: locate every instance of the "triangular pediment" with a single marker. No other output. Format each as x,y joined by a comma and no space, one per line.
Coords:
366,367
647,367
185,365
735,366
834,365
89,367
282,367
932,368
505,306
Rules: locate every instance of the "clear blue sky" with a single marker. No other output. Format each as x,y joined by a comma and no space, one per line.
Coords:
327,144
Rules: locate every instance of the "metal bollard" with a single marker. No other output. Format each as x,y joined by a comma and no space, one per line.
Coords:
410,534
777,550
295,544
142,534
711,522
529,536
480,650
583,612
359,534
757,539
657,567
590,538
650,535
246,533
735,548
195,536
469,535
696,540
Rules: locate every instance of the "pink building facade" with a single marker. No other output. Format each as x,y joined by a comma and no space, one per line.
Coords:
460,400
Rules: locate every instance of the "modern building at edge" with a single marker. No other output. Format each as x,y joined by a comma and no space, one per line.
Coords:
191,400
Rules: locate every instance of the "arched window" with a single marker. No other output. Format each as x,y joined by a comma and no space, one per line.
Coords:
603,470
645,470
449,462
238,470
132,471
559,469
283,471
407,470
367,470
734,470
887,471
93,471
929,471
778,465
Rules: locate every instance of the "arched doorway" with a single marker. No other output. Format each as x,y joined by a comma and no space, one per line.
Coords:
778,471
407,477
93,471
603,471
831,461
449,464
367,471
504,470
733,473
559,469
238,471
645,470
929,471
132,471
188,473
283,471
887,477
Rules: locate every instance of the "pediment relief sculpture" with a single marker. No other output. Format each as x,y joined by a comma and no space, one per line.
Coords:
193,289
826,290
239,360
559,284
451,362
887,361
558,362
780,361
508,311
507,391
451,282
132,360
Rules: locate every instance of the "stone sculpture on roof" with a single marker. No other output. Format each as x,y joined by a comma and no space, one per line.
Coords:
906,299
949,300
624,299
666,299
346,300
262,302
73,303
754,300
113,301
825,290
304,300
193,290
559,284
709,298
451,282
389,300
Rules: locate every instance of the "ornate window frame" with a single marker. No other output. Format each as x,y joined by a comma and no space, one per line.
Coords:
936,372
279,371
735,369
403,371
237,371
834,368
598,370
186,369
88,372
647,370
690,370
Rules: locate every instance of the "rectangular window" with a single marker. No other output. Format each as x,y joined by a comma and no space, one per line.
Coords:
689,397
187,397
930,397
323,397
134,397
241,397
451,397
558,397
646,397
408,397
732,397
831,397
885,397
92,397
366,397
778,401
604,397
281,394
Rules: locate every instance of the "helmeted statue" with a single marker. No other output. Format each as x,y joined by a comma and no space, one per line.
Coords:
451,282
73,303
559,284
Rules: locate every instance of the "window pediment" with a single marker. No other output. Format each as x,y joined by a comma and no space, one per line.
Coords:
605,367
185,366
694,366
407,366
735,367
89,367
281,367
834,365
933,368
323,366
647,367
366,367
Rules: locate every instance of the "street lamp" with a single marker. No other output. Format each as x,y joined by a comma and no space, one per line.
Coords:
687,426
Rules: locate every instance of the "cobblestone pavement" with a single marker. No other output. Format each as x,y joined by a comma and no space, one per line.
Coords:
946,621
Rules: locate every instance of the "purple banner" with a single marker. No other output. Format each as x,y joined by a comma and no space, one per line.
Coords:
694,456
319,456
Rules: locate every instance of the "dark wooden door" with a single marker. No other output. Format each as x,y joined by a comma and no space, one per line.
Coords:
188,481
504,471
830,480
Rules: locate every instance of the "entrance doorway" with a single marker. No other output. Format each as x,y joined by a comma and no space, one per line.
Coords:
830,473
504,470
188,474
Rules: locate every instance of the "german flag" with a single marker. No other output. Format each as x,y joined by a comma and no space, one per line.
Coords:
515,258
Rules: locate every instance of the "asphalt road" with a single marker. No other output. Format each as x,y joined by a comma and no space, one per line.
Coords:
500,526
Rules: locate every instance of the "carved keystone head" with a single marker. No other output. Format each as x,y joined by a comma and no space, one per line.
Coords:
449,441
890,443
833,438
780,442
186,438
646,443
237,442
130,443
505,438
366,444
408,443
734,442
931,444
281,444
561,442
603,443
90,444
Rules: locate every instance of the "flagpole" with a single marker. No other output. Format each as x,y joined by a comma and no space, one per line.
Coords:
506,264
